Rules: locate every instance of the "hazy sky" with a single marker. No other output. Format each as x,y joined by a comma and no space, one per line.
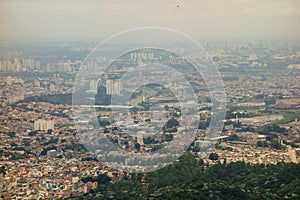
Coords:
203,19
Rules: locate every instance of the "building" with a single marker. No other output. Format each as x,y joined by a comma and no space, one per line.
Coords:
15,98
52,87
113,87
31,64
197,143
52,153
201,144
36,83
109,86
140,139
252,104
9,80
94,86
117,88
141,56
43,125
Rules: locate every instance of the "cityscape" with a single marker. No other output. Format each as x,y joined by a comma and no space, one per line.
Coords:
149,100
43,157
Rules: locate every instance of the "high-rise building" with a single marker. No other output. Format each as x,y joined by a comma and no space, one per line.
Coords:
31,64
109,86
141,56
94,86
117,88
113,87
43,125
140,139
59,67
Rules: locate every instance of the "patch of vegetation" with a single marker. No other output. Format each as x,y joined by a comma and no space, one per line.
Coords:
191,179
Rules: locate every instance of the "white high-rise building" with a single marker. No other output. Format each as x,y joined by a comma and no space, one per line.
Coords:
43,125
117,88
94,86
143,56
113,87
140,139
109,86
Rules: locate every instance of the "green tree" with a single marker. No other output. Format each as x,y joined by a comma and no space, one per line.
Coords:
233,137
103,179
137,146
276,144
172,123
213,156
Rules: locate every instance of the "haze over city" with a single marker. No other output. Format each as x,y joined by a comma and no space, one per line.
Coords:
98,19
183,99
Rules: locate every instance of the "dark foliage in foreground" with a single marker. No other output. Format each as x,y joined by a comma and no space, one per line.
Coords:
189,179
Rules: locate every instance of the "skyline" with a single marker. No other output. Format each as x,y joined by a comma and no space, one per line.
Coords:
95,20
